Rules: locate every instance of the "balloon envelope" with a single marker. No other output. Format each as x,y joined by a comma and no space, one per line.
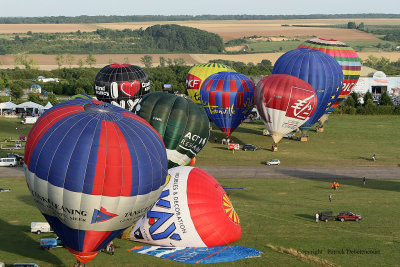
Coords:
227,97
193,211
121,85
317,68
284,103
183,125
347,58
197,75
93,169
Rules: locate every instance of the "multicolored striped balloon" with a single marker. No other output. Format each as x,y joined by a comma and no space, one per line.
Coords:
347,59
228,98
197,75
93,170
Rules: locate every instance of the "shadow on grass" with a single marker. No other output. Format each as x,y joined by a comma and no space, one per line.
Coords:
307,217
344,180
15,239
27,199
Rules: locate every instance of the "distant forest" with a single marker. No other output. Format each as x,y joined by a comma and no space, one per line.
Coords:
168,38
135,18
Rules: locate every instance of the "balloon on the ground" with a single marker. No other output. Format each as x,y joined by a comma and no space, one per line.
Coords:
93,170
347,59
228,98
197,75
284,103
121,85
193,211
199,255
317,68
182,124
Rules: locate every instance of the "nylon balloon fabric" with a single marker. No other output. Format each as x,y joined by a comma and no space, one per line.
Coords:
198,74
228,98
122,85
318,69
183,125
93,170
347,58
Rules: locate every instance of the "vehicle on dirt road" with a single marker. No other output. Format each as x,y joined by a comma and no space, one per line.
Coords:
273,162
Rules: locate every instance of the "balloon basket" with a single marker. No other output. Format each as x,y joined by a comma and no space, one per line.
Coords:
320,129
274,148
304,138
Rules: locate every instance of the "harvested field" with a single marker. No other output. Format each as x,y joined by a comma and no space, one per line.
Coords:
227,29
48,62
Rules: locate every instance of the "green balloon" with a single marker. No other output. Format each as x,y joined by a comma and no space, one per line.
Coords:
182,124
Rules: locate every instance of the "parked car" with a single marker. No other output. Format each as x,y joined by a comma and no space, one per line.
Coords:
250,147
48,243
8,162
348,216
273,162
326,216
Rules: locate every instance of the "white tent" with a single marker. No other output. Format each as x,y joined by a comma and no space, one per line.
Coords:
48,106
30,105
6,105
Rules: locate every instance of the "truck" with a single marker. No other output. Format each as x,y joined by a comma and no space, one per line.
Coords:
40,227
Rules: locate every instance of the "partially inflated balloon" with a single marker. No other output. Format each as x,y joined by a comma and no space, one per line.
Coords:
228,98
183,125
318,69
193,211
284,103
347,59
121,85
197,75
93,170
83,96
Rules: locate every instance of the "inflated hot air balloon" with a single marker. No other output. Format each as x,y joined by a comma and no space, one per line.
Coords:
182,124
197,75
93,170
121,85
318,69
193,211
347,59
228,98
284,103
83,96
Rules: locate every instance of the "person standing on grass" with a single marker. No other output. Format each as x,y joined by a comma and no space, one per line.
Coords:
364,180
373,157
317,217
330,198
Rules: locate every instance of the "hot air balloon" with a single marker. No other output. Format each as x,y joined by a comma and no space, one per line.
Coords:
227,97
347,59
197,75
121,85
93,170
83,96
193,211
317,68
182,124
284,103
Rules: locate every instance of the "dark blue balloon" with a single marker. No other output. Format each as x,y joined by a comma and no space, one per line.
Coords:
317,68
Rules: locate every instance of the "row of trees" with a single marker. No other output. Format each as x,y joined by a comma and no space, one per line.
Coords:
155,39
112,19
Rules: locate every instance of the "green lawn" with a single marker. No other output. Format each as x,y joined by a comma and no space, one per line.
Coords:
273,212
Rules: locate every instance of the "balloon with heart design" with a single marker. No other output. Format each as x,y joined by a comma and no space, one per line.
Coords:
121,85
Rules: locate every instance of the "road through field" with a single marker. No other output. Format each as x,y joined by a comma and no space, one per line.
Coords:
266,172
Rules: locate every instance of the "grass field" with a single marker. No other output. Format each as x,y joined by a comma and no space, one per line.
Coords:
275,214
346,141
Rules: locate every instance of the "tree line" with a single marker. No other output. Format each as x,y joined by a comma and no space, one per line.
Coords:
142,18
168,38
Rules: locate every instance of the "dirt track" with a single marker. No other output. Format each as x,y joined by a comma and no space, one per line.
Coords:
265,172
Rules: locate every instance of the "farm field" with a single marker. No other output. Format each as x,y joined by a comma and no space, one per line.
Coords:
277,217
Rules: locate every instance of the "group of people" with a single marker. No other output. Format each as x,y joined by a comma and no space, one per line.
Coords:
335,185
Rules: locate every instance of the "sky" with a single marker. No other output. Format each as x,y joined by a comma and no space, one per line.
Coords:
41,8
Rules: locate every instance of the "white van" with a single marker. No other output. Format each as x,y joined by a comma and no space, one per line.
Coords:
8,162
40,227
29,120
